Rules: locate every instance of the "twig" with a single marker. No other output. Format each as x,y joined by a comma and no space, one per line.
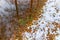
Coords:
16,7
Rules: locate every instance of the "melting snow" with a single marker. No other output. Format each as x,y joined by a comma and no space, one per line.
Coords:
51,14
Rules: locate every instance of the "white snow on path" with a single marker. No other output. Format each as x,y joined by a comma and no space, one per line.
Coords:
51,13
